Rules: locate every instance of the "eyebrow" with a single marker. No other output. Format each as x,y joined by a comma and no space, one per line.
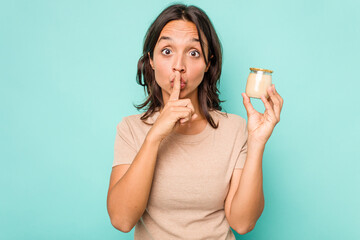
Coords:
170,39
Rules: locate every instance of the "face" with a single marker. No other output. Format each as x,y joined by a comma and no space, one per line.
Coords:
178,49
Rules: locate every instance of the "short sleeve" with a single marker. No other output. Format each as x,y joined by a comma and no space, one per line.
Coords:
242,141
124,147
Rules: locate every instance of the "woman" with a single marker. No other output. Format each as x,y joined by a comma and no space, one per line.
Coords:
177,167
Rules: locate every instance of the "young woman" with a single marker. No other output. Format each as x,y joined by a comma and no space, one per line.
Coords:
184,169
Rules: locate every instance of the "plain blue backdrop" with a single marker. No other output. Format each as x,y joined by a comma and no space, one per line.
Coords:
67,74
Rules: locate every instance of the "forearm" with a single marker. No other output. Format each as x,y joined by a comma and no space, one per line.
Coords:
129,196
248,202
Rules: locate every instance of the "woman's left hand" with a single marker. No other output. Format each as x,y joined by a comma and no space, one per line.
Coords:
261,125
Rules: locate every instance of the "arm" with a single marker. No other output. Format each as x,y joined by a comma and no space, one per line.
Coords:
130,186
245,201
128,194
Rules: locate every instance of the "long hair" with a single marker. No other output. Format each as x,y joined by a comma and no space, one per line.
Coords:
208,93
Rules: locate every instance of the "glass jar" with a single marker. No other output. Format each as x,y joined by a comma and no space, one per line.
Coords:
258,82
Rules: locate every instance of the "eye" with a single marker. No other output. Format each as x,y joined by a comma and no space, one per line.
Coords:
195,53
166,51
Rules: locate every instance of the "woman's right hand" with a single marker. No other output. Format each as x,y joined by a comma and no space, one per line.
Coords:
175,111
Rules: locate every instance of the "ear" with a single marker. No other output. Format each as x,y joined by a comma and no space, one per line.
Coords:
151,62
209,63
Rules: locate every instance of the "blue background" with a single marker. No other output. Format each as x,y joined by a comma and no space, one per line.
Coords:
67,72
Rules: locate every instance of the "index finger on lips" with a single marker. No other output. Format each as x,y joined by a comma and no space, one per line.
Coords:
176,88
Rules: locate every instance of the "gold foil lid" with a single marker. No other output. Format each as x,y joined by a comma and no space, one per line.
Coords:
261,69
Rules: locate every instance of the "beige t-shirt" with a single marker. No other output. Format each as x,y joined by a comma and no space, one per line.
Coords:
191,178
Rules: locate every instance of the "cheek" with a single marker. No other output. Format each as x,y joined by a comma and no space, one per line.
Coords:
162,73
197,74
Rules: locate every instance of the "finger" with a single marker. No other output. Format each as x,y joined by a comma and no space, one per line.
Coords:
276,93
248,106
176,87
194,116
181,109
270,101
268,106
184,120
280,98
184,103
274,102
182,116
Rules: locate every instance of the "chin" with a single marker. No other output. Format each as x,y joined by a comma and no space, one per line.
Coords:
183,94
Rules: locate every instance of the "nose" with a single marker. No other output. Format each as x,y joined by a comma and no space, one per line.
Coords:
179,64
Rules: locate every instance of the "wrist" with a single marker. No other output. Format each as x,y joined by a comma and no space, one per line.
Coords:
252,140
255,150
152,140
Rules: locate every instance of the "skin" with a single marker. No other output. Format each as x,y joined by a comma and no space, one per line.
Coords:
179,67
175,61
245,200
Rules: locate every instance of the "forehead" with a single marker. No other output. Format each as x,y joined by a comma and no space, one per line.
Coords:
180,29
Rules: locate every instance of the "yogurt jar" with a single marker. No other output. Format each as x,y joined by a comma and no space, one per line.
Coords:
258,81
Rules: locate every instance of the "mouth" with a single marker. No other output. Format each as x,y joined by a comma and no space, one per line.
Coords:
182,83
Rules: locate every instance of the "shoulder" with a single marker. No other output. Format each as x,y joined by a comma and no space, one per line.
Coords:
135,121
136,118
126,120
231,127
228,119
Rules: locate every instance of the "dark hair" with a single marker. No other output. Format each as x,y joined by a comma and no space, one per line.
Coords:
208,93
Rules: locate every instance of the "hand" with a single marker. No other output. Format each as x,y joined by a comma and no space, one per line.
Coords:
261,126
175,111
